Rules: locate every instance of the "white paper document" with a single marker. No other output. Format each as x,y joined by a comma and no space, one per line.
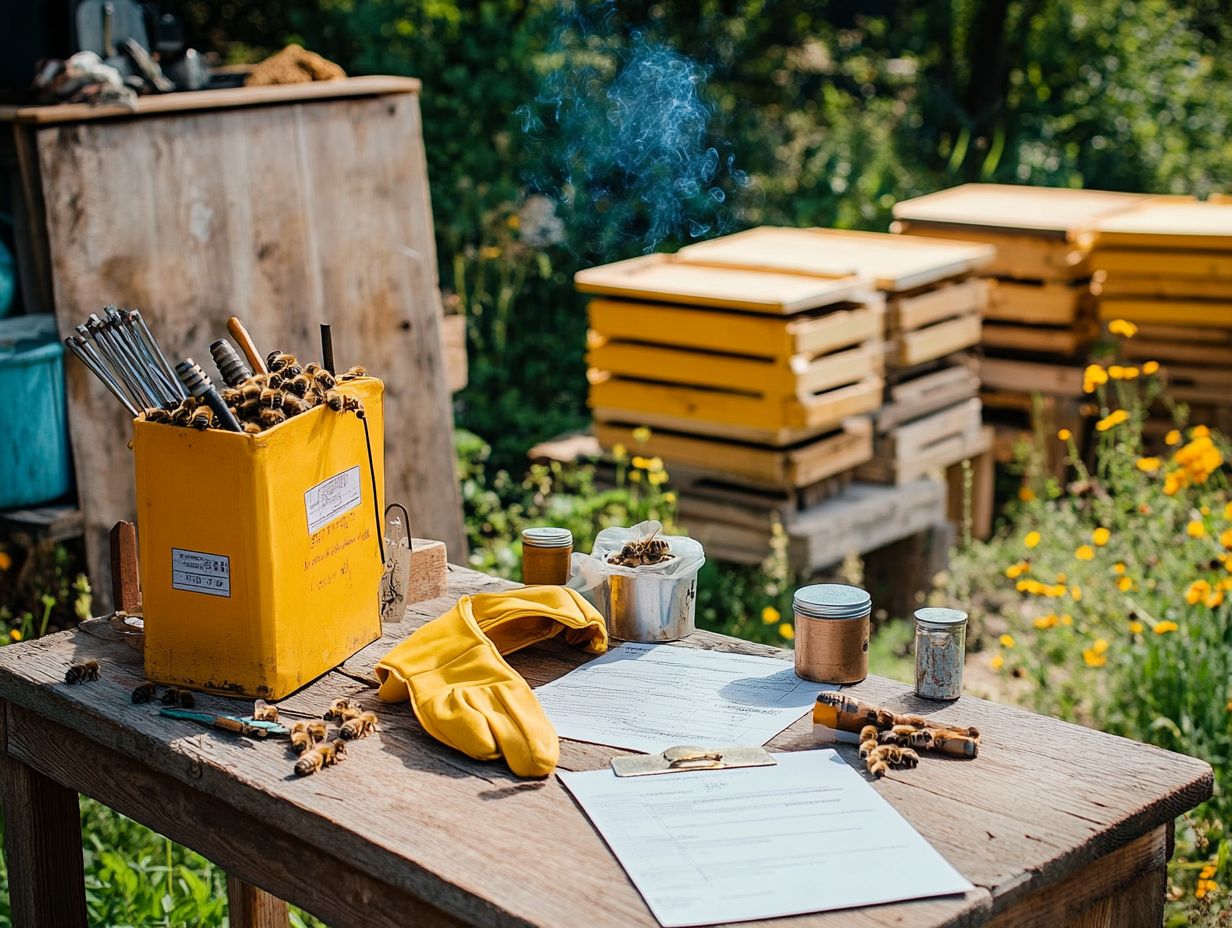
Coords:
808,835
648,697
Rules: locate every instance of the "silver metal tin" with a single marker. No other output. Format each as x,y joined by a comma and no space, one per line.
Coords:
646,607
940,619
547,537
832,601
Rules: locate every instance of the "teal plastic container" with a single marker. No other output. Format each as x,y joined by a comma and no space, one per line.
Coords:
35,466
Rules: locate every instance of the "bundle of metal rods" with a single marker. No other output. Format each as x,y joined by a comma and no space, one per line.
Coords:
121,352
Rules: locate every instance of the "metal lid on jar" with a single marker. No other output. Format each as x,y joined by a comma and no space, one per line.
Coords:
832,601
547,537
940,619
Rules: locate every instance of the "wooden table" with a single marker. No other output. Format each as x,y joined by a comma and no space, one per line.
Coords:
1054,824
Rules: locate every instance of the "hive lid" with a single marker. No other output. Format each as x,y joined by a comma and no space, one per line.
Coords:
1168,224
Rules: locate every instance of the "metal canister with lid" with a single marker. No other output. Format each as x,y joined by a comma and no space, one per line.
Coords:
940,649
545,555
832,630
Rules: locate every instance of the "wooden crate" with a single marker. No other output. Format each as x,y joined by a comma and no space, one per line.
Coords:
928,324
1038,302
791,468
926,389
932,442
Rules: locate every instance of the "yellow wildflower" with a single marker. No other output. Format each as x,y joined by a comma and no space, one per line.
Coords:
1149,465
1065,434
1199,431
6,560
1067,619
16,634
1026,494
1116,372
641,434
1214,600
657,477
1124,584
770,615
1175,482
1032,539
1150,367
1094,658
1076,593
656,463
1197,591
635,476
1100,536
1227,511
1135,628
1119,567
640,462
1122,327
1162,628
1225,538
1014,571
1046,621
1061,578
619,451
997,662
1085,553
1007,641
669,498
1195,529
1112,420
787,631
1173,437
1092,377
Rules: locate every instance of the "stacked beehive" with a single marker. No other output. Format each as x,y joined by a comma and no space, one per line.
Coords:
1040,323
759,361
1167,267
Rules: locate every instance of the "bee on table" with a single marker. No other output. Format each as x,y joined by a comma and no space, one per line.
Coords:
262,711
144,693
179,698
340,751
868,740
359,727
301,739
316,757
82,672
317,730
341,710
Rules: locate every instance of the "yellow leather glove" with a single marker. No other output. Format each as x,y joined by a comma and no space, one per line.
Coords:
465,694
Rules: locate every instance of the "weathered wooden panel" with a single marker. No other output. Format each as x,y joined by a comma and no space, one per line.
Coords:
288,216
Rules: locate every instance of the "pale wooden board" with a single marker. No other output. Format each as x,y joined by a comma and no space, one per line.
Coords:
1118,284
1206,314
1035,338
799,376
927,393
1020,255
223,98
745,334
1167,225
1041,304
453,344
1049,210
406,810
795,467
1031,377
1203,265
893,262
932,443
908,349
921,308
664,278
286,215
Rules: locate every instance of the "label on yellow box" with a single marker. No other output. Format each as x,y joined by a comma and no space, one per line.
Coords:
198,572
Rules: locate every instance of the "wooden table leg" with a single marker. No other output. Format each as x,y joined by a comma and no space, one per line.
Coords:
42,844
249,907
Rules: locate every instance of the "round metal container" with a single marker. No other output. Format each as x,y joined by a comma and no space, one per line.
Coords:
645,607
940,651
832,632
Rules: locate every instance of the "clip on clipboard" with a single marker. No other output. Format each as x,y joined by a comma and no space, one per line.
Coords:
688,757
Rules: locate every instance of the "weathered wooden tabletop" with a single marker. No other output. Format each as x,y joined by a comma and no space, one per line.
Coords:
1050,818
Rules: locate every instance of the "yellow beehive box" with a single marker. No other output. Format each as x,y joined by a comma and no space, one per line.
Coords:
259,555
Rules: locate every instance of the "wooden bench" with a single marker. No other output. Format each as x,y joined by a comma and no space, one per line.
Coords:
1053,823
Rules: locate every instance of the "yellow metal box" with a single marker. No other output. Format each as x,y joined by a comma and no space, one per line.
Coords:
259,554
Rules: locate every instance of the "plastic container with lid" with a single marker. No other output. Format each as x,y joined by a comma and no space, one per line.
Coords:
832,631
545,555
34,456
940,650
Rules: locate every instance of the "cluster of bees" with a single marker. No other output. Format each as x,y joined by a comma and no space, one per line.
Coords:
262,401
648,550
172,696
317,746
895,746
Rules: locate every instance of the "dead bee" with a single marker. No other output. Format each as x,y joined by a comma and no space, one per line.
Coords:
144,693
262,711
298,385
340,750
890,757
202,418
868,740
317,731
359,727
341,710
231,396
353,373
271,417
82,672
287,365
322,379
252,428
922,738
155,414
900,734
275,381
649,550
179,698
301,740
878,768
250,390
279,399
312,760
333,399
183,413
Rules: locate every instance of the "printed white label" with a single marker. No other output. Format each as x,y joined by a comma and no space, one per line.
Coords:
331,498
198,572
